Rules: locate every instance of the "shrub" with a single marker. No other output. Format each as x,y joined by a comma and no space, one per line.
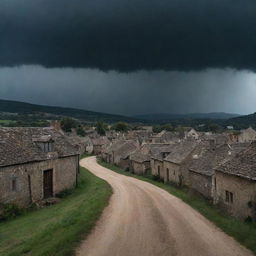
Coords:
10,211
248,219
64,193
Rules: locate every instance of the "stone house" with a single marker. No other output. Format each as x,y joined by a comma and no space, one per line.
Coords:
35,163
246,135
164,137
157,158
192,133
235,182
99,143
205,159
121,155
140,163
108,153
173,163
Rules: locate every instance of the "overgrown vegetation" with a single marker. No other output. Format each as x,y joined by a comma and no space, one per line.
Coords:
243,232
56,230
101,128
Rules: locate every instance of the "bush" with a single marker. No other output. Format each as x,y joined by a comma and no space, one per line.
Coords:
156,177
10,211
64,193
248,219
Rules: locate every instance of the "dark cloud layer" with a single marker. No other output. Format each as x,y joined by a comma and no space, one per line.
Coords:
211,90
129,35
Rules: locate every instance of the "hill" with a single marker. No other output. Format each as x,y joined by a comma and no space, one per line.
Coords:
169,117
242,122
13,108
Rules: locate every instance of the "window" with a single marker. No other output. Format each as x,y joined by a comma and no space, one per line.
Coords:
229,196
14,184
158,170
174,172
47,147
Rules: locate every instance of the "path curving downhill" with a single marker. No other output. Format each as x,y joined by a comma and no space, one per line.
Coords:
144,220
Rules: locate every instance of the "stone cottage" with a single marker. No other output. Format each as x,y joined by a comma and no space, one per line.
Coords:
235,183
121,155
35,163
246,135
206,157
173,162
157,158
99,143
140,163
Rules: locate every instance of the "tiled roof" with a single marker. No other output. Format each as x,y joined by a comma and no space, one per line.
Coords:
180,151
126,149
205,158
139,157
19,145
243,165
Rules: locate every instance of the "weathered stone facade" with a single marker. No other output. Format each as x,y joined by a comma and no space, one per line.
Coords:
140,168
29,183
35,163
201,183
243,201
172,173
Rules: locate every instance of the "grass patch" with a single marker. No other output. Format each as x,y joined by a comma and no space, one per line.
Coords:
245,233
57,230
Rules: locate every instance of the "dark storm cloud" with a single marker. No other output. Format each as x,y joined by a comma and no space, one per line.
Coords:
211,90
129,35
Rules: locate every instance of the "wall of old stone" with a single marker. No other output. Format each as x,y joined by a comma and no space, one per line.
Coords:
64,177
140,168
97,149
244,191
154,168
174,173
124,163
202,184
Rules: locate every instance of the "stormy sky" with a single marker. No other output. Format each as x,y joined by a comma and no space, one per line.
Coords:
130,56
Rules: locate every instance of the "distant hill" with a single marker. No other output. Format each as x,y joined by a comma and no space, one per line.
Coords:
23,108
243,121
170,117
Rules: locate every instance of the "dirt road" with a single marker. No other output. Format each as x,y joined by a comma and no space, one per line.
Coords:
144,220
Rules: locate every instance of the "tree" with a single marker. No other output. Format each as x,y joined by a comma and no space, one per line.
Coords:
121,127
157,128
101,128
67,124
80,131
214,127
168,127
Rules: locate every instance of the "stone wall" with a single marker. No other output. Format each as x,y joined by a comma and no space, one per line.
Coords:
244,195
202,184
64,177
157,168
140,168
174,173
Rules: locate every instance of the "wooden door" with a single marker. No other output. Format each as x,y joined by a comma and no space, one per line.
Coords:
48,183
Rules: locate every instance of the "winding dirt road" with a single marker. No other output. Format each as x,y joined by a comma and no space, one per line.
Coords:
144,220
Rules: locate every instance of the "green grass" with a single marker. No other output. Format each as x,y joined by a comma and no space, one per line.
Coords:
245,233
57,230
7,122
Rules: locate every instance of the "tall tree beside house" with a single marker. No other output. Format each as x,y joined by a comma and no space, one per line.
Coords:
101,128
121,127
67,124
